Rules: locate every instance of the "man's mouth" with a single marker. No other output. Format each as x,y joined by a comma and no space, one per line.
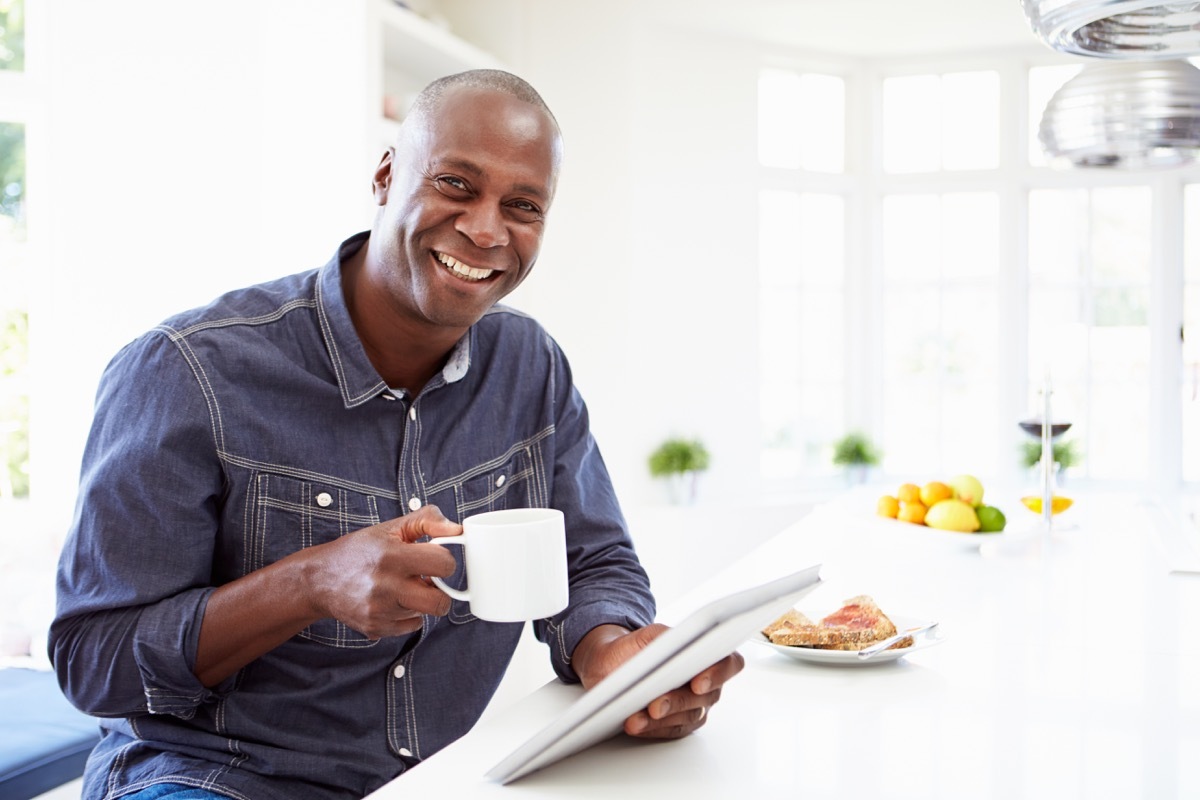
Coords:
464,271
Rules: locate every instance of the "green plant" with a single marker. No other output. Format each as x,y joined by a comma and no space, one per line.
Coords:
855,450
1066,453
677,456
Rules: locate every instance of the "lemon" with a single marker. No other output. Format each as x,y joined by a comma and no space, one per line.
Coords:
887,506
991,519
1058,503
952,515
934,492
909,493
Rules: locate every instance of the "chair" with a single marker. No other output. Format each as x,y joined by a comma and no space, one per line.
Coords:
44,740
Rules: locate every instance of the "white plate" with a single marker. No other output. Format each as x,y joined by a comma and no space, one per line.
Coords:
849,658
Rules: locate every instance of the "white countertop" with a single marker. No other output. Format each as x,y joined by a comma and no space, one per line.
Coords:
1068,670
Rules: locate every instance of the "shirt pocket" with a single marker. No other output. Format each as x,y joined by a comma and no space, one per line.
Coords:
513,482
291,514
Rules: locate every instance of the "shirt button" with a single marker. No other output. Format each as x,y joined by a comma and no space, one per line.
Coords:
412,413
404,751
499,481
324,500
398,671
413,504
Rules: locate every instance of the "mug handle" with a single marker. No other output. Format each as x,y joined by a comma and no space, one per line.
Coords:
457,594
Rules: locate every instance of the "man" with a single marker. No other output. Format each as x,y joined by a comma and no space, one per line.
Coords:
243,595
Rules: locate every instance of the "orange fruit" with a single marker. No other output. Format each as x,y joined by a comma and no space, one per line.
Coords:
909,493
912,512
935,491
887,506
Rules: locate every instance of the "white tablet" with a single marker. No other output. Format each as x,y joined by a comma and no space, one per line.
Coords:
704,638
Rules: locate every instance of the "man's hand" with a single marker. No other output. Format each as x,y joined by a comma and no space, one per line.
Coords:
373,580
678,712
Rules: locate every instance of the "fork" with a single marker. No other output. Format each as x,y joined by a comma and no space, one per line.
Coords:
879,647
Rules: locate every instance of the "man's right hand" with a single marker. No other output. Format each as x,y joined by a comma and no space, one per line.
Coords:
375,580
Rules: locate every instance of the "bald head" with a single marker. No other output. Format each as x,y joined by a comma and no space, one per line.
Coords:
495,80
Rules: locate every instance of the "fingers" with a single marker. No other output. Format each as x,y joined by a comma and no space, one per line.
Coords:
425,521
684,710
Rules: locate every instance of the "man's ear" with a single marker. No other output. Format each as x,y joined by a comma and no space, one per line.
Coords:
382,180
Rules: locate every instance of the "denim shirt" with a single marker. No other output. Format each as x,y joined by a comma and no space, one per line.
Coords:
235,434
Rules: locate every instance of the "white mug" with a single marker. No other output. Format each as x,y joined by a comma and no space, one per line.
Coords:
516,564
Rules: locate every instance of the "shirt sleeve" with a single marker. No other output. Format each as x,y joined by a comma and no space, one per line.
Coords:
136,568
607,582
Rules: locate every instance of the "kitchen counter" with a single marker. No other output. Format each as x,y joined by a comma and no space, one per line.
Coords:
1068,670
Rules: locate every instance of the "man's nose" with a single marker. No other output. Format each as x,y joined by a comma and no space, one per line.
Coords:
483,225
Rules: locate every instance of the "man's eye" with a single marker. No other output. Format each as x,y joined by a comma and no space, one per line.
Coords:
453,182
526,207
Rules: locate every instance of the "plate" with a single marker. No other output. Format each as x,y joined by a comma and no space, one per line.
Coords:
849,658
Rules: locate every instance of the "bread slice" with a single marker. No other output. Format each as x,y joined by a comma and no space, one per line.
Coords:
857,624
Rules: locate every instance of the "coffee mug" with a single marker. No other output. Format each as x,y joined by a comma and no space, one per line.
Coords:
516,564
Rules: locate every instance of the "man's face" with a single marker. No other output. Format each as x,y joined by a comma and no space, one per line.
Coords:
465,204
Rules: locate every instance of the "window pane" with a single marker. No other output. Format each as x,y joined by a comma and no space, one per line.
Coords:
971,120
1191,333
801,120
14,326
911,124
12,35
801,323
1043,83
1089,321
940,332
934,122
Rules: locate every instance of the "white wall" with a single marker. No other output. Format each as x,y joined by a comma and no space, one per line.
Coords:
194,149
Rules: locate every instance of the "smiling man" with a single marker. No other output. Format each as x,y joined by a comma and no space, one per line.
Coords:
243,595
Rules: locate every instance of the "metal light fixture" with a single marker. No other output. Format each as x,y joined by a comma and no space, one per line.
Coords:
1131,115
1136,29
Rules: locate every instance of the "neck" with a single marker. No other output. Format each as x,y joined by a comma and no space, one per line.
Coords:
405,352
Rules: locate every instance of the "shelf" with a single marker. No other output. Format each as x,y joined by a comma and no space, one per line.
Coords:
418,48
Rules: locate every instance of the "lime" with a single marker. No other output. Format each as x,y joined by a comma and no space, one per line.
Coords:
991,519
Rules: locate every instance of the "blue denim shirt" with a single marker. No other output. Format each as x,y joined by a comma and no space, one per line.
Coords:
235,434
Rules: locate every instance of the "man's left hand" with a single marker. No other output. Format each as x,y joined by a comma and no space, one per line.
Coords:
671,716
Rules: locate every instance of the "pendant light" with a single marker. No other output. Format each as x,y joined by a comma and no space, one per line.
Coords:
1135,29
1125,114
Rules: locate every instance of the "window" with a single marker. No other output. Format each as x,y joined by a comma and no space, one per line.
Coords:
1089,300
802,270
940,330
1191,333
801,328
941,122
14,392
801,120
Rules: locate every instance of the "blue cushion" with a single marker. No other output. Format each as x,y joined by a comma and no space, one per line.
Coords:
44,740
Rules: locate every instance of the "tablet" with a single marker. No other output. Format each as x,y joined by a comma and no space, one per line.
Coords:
674,658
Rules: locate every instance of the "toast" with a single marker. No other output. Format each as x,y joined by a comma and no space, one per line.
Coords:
859,623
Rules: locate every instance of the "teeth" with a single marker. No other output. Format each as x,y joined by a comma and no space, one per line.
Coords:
463,270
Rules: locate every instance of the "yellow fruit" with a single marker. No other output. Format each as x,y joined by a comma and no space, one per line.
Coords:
968,489
1058,504
887,506
934,492
909,493
952,515
911,512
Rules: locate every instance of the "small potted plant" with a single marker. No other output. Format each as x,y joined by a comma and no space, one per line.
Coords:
1065,452
679,461
857,454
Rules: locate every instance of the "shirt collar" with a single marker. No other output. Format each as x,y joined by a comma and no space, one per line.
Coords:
356,376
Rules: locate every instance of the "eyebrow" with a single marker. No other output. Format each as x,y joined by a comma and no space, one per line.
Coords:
475,171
